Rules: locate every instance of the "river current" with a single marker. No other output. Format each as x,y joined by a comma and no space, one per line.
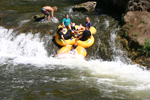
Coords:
28,70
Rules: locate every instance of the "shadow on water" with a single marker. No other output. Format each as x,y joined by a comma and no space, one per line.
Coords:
106,8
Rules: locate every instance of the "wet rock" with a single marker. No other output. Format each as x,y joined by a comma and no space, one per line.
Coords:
4,13
38,17
87,6
1,18
22,23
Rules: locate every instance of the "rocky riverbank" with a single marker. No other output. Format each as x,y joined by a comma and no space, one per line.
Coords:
135,31
135,36
135,28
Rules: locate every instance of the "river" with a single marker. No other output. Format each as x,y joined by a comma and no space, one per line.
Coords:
28,70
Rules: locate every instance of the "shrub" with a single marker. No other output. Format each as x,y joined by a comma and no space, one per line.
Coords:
134,39
146,48
135,34
132,25
142,21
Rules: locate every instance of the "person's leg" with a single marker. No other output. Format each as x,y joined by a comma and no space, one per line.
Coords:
71,36
67,36
76,41
81,27
72,27
68,32
69,27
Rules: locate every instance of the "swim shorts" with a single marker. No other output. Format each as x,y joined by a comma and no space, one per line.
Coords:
44,11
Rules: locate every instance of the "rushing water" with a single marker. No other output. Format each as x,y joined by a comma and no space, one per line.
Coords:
29,72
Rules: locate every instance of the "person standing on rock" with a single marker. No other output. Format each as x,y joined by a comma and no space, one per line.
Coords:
47,9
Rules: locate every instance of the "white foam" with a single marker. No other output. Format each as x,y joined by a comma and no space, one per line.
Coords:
23,21
55,20
108,76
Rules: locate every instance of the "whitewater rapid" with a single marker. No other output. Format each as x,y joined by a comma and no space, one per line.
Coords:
108,76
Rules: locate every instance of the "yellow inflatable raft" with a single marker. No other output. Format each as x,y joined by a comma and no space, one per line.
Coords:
80,50
92,29
71,41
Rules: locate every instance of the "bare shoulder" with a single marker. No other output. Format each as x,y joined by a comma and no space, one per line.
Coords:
49,8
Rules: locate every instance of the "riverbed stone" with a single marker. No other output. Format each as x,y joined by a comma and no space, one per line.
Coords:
22,23
5,13
87,6
37,17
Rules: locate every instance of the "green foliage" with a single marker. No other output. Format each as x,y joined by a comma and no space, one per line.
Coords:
126,33
142,21
122,19
129,27
135,34
147,27
146,48
133,50
132,25
135,39
123,14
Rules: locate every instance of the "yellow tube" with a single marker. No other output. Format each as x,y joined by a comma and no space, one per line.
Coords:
80,50
86,43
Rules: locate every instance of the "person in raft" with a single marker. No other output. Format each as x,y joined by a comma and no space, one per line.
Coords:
72,51
66,22
48,9
66,36
84,36
88,23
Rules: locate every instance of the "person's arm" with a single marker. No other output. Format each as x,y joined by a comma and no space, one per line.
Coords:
52,14
80,36
48,17
64,39
63,22
70,21
81,30
90,24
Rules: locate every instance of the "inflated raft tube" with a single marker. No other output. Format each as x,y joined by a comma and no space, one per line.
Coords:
80,50
71,41
92,29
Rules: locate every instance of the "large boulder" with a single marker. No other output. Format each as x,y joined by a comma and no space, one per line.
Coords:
137,26
139,5
87,6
